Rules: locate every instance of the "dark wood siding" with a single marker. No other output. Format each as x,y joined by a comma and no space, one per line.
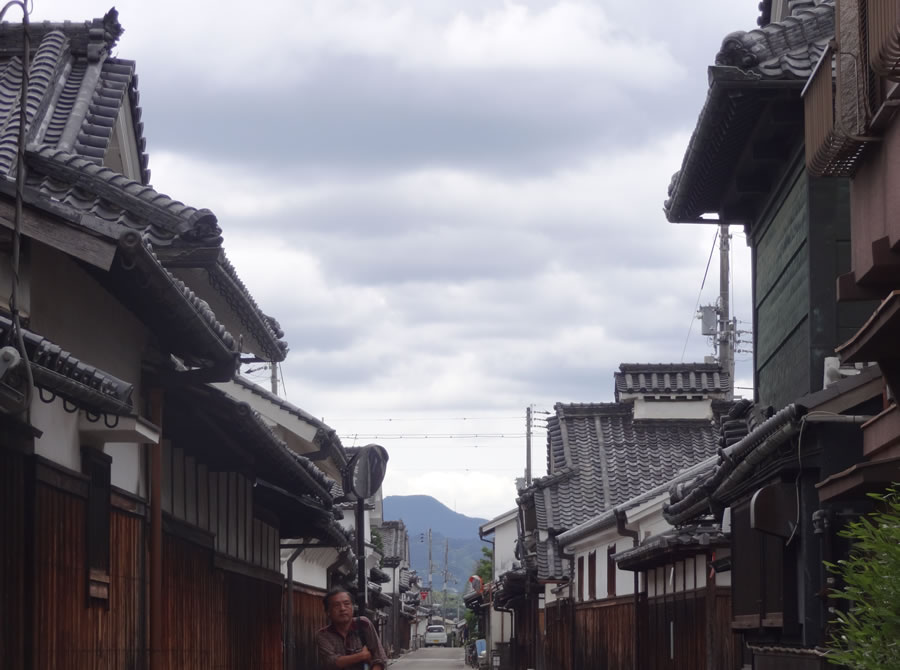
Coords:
604,633
781,292
216,619
558,640
678,633
68,631
12,559
309,616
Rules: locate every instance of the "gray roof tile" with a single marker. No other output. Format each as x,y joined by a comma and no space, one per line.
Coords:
95,189
779,52
63,53
671,379
608,458
395,539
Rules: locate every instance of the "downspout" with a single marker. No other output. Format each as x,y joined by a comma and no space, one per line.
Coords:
572,645
156,535
289,641
621,521
490,638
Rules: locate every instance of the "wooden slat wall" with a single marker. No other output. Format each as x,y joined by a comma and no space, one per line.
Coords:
309,617
214,619
685,615
558,640
68,632
12,563
604,633
253,616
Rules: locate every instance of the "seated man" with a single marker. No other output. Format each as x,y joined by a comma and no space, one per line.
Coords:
347,642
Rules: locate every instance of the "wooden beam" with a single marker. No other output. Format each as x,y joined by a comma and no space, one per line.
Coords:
85,247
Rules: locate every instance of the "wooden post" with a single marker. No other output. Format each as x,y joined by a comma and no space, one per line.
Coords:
156,535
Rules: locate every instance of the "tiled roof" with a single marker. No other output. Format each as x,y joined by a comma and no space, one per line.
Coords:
671,379
265,328
778,57
600,458
783,50
58,372
75,93
75,89
325,435
395,540
90,188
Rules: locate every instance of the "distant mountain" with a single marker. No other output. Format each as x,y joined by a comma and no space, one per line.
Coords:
420,513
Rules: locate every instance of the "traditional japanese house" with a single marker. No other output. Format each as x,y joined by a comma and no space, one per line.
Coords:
852,133
395,539
797,222
141,508
599,456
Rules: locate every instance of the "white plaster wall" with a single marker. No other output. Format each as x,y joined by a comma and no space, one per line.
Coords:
311,567
127,470
505,536
680,409
59,442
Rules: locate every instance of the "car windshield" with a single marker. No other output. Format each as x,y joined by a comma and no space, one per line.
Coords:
435,629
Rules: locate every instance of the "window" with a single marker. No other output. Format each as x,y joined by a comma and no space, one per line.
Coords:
96,465
592,575
610,572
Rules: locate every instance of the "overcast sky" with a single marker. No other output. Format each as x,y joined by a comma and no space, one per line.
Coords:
454,207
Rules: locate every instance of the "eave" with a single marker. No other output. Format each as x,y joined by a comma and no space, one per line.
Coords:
745,136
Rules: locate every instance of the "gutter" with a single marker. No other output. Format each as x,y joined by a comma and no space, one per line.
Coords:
607,519
621,521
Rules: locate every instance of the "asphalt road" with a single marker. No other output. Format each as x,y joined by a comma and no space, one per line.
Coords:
435,658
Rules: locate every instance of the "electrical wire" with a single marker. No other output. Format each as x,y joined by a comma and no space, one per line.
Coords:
699,295
17,335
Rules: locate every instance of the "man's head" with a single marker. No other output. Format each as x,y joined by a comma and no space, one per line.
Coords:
338,605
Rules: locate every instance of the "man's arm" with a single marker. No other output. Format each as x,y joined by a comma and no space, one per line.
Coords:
379,657
330,657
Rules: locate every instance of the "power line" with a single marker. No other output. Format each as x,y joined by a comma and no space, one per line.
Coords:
699,294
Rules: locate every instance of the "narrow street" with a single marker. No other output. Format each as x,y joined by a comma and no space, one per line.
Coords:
431,659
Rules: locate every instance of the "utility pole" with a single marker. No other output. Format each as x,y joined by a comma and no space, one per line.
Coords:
273,377
528,446
446,577
430,571
726,330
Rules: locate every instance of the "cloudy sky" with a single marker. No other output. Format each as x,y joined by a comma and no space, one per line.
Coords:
454,207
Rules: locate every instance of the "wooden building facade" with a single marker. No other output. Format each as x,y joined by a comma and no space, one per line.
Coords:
142,509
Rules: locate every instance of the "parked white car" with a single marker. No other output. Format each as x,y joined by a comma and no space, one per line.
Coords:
435,636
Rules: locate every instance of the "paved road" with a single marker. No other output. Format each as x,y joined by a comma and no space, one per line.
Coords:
431,659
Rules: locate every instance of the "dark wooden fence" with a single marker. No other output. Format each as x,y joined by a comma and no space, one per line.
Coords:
12,560
68,631
309,616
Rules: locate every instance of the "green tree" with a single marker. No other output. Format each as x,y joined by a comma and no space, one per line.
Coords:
868,631
484,567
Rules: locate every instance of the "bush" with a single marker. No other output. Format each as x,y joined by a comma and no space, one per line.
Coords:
867,635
